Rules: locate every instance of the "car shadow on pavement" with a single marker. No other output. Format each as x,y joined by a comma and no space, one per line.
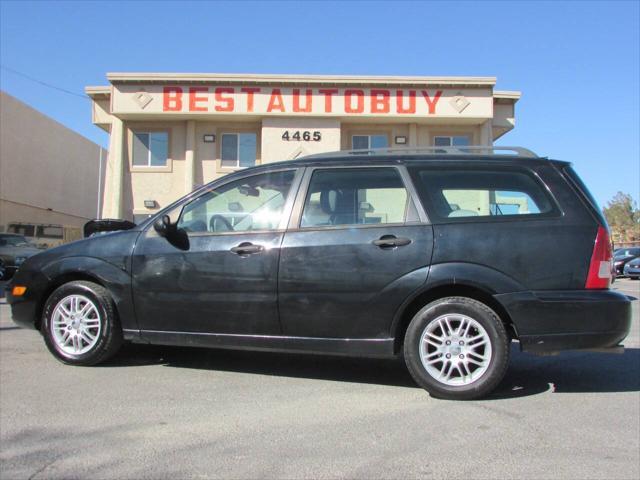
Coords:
569,372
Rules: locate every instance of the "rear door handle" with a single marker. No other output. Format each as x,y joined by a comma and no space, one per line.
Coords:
391,241
247,248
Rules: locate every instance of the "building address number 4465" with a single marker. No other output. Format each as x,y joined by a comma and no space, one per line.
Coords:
305,136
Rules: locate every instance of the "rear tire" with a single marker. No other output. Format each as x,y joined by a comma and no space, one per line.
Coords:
80,325
457,348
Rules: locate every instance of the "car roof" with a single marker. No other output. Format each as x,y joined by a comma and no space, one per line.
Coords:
474,154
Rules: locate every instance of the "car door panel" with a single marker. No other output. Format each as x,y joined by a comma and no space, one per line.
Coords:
223,280
200,290
338,284
347,280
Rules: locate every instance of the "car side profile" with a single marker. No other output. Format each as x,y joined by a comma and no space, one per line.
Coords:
443,256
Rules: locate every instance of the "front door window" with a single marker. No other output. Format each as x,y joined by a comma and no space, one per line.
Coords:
251,204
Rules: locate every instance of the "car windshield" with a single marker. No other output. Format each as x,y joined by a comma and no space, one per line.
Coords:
13,240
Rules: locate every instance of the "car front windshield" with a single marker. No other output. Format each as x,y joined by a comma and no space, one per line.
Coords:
13,240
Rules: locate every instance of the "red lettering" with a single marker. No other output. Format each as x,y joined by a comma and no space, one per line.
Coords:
275,102
412,102
194,99
348,107
296,100
250,91
432,102
227,101
328,92
171,99
380,101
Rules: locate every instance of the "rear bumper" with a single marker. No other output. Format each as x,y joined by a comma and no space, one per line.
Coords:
551,321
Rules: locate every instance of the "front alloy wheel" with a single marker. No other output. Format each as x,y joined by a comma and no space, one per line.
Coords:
80,324
76,324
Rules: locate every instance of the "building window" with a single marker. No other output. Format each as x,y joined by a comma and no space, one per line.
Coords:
453,141
150,149
49,231
239,150
369,141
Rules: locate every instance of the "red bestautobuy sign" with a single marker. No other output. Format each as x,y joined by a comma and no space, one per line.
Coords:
297,100
331,101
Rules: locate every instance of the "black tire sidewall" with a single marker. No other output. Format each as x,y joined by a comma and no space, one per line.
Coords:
106,314
483,315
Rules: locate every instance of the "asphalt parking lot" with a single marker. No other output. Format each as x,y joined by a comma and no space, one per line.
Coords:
186,413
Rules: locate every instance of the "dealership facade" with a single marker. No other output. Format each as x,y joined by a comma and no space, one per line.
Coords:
170,133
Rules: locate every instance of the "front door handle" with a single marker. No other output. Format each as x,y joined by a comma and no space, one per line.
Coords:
247,248
391,241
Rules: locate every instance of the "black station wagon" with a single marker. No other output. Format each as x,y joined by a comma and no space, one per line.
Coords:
444,256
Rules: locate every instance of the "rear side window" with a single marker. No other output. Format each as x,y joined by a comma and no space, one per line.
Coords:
361,196
463,193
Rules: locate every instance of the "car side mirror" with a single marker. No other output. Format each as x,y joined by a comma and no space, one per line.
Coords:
175,236
163,226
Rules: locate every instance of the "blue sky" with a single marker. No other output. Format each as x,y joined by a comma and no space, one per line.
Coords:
576,63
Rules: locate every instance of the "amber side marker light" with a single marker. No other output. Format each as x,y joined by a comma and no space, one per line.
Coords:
18,290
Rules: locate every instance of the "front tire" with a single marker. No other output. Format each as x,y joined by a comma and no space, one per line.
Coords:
457,348
80,325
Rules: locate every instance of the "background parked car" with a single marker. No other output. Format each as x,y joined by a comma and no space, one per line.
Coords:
45,235
622,256
632,269
14,250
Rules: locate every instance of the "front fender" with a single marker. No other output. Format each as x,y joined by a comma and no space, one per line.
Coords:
116,279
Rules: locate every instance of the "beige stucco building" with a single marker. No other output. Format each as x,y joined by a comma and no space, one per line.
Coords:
172,132
50,176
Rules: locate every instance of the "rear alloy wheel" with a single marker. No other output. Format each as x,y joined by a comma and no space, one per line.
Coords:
79,324
457,348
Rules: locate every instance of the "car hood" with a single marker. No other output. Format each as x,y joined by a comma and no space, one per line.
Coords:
115,248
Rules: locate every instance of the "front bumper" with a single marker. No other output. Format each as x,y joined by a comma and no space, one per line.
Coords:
551,321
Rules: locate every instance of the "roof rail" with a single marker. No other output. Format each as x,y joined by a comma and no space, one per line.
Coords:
460,150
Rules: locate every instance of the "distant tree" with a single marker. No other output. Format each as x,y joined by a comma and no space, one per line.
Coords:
623,216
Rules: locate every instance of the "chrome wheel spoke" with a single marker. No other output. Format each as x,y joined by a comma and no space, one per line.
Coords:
86,337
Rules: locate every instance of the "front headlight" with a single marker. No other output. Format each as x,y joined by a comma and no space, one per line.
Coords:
20,260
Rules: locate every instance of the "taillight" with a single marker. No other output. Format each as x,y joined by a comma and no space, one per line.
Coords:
600,270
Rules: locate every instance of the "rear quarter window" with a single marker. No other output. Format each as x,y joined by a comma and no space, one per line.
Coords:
462,193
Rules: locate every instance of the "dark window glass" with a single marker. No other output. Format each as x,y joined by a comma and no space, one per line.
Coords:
458,193
254,203
150,149
360,142
239,149
355,197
